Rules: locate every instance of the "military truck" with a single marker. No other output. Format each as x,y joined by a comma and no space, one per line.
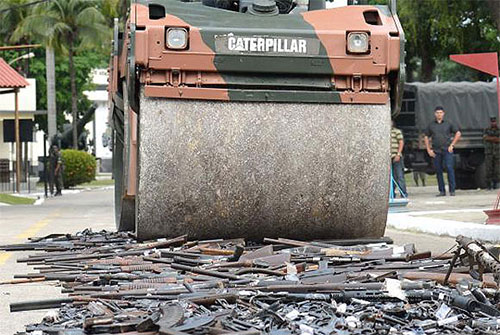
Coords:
468,105
254,118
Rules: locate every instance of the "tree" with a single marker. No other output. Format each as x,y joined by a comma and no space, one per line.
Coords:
85,62
12,13
110,9
68,26
435,29
495,11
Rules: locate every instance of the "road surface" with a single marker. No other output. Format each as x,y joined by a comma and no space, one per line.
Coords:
75,212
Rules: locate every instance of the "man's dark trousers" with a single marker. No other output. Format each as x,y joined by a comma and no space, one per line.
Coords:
443,160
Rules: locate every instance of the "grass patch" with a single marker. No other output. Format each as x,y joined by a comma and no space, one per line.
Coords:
98,183
93,183
430,180
15,200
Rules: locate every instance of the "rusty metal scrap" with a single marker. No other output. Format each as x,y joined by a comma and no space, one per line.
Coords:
117,285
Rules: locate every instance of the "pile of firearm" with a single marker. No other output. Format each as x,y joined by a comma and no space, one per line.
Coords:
118,285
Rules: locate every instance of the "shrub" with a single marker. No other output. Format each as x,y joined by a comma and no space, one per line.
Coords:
78,167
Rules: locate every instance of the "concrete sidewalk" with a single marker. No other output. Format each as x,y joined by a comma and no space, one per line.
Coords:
447,216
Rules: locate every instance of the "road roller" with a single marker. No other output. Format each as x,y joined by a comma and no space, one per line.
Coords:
254,118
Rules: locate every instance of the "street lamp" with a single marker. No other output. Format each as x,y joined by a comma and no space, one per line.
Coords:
25,56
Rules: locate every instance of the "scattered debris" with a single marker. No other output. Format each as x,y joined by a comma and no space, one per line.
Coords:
117,285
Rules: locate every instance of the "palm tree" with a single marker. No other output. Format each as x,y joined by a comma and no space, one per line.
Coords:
110,9
67,26
12,13
50,71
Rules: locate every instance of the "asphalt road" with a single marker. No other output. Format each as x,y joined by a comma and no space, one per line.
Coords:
75,212
67,214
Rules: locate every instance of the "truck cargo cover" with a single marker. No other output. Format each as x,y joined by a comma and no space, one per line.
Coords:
468,105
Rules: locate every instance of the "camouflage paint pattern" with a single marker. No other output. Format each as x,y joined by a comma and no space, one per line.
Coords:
338,183
206,70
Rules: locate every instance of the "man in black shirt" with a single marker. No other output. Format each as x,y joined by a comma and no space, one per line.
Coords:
441,132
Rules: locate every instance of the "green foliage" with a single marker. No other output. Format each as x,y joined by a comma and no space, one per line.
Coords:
68,27
65,25
11,14
41,24
446,70
79,167
84,63
435,29
110,9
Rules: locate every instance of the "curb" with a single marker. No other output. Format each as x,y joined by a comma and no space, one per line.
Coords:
39,201
413,221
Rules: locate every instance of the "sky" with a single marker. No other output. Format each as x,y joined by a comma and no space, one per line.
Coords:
336,3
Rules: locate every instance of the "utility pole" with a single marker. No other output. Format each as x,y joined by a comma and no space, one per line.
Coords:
45,165
18,141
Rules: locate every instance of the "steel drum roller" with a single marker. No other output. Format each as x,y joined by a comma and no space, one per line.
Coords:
214,169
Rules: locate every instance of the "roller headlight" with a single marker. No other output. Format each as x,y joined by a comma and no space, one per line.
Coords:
358,43
177,38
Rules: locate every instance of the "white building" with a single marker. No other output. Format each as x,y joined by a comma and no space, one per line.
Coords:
98,129
27,111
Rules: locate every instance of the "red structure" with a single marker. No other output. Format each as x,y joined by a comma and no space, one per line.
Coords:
494,214
9,78
487,63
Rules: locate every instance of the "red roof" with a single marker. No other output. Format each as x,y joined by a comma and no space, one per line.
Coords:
9,78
